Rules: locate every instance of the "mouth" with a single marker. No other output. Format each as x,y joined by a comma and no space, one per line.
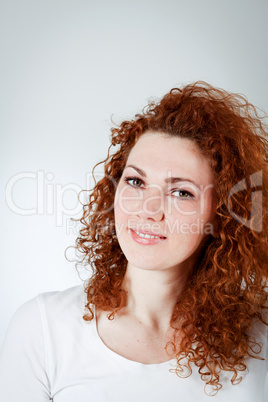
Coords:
146,238
148,235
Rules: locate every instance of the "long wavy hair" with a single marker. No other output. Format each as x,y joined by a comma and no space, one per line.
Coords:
227,290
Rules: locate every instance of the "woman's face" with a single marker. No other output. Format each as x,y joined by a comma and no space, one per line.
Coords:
164,203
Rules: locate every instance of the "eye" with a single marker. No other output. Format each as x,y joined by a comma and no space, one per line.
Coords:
134,181
182,194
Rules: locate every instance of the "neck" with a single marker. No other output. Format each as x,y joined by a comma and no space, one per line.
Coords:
152,295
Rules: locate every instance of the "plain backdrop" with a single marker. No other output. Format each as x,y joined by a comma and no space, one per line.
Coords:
70,67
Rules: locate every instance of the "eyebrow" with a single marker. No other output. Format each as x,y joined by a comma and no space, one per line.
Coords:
167,180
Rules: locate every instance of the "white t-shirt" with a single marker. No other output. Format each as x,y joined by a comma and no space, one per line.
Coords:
51,353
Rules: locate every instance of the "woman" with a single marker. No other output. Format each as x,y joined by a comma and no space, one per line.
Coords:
175,234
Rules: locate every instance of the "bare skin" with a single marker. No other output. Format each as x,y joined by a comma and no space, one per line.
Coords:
156,273
141,330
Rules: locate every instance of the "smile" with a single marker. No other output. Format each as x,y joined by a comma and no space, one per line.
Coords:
145,238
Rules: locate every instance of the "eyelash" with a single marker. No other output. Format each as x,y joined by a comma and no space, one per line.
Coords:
129,179
190,195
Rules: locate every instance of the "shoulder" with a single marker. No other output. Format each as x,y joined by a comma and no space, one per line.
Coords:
39,333
34,314
62,309
61,301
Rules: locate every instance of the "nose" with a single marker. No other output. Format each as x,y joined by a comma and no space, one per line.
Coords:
152,205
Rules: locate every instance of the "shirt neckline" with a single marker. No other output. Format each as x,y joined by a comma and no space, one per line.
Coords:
105,351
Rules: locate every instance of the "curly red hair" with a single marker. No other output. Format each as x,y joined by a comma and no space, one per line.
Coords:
227,289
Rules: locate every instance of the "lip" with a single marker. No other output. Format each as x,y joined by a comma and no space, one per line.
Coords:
145,241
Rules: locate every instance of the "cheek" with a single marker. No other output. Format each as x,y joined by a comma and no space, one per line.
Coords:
118,215
190,209
182,208
123,205
128,201
208,208
120,222
192,220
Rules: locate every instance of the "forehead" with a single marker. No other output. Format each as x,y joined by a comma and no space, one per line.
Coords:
165,154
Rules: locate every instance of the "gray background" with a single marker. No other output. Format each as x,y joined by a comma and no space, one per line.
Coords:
67,68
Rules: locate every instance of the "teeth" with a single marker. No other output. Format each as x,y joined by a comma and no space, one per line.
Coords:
146,236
